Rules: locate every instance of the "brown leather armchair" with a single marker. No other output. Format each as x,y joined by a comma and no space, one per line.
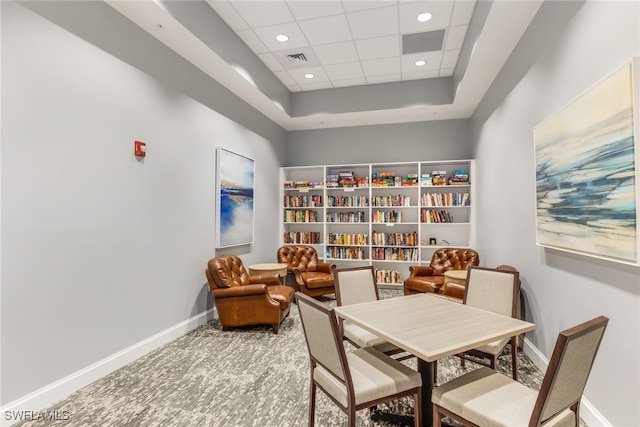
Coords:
430,278
242,299
312,278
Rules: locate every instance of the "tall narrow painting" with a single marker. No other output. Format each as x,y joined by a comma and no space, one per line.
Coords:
586,178
235,185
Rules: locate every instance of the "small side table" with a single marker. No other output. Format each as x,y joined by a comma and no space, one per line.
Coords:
456,276
270,267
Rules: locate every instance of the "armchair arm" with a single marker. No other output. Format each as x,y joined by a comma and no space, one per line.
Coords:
269,279
240,291
325,267
420,271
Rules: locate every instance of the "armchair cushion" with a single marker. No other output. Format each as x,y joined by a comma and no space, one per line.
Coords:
431,278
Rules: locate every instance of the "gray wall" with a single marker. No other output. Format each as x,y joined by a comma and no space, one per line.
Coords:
440,140
568,48
101,251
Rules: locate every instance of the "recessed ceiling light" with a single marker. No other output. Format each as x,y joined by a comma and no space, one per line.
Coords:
420,63
282,38
425,16
309,76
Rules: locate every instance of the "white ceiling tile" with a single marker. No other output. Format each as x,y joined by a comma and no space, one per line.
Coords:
295,88
384,79
349,82
446,72
327,30
356,5
318,72
268,36
351,70
252,41
381,67
433,61
315,9
336,53
379,47
263,13
454,38
409,12
449,58
270,61
316,86
228,14
462,12
285,78
426,74
374,22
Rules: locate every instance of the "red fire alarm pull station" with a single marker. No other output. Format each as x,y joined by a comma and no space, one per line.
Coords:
139,149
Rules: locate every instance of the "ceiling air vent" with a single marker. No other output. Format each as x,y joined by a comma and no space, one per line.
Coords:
297,58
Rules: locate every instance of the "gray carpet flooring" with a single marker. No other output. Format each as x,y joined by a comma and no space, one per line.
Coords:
242,377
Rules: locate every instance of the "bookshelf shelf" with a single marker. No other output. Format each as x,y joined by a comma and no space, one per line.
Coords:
363,214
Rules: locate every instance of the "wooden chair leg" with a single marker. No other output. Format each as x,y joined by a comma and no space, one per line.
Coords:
276,327
417,409
514,357
312,402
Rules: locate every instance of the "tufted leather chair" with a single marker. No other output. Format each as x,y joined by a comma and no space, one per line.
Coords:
423,279
312,278
242,299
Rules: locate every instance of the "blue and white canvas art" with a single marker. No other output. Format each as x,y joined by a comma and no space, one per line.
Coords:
235,199
586,175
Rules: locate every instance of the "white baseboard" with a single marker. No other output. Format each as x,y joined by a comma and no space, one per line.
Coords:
591,416
32,404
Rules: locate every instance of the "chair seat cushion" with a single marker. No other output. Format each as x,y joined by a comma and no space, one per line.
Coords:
315,279
363,338
487,398
424,284
282,294
494,347
374,375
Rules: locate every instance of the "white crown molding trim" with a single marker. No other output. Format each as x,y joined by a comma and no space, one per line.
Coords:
49,394
588,412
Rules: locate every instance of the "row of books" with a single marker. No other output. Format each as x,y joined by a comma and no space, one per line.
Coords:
300,216
348,201
382,216
347,239
431,216
444,199
346,179
302,237
398,200
388,276
394,239
357,216
302,201
459,177
395,254
337,252
290,185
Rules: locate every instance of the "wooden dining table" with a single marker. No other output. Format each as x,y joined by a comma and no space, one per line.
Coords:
431,328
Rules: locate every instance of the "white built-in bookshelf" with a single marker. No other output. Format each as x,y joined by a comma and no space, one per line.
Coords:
389,215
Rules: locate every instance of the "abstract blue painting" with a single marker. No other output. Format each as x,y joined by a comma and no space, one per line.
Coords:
234,199
586,189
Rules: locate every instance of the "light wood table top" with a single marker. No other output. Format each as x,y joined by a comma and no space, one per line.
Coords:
429,327
270,267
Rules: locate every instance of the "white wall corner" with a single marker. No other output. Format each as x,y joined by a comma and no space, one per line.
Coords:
35,403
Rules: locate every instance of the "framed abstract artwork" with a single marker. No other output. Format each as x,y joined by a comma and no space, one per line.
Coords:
586,173
234,199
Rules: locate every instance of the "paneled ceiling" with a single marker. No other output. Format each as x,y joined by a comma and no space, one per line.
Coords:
362,54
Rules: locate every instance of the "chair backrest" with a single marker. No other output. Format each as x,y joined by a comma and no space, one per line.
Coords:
453,259
324,342
493,290
226,271
305,258
568,371
355,285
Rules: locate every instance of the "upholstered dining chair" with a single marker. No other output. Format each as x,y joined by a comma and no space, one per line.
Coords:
311,276
242,299
356,285
497,291
355,380
484,397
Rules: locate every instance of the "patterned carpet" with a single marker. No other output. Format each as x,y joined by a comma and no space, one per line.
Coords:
242,377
